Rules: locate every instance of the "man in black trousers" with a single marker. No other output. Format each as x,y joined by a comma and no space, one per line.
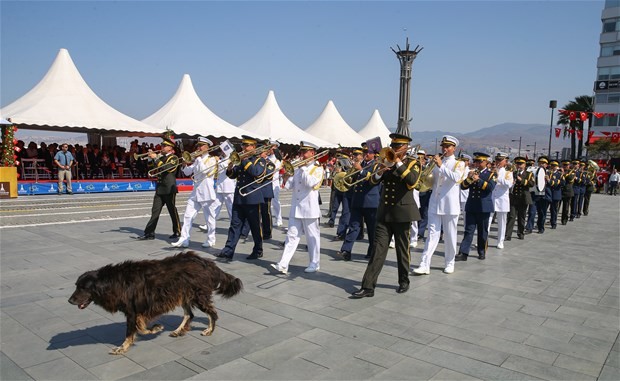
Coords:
397,209
520,199
165,191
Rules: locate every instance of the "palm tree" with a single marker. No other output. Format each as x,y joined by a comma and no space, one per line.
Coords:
583,103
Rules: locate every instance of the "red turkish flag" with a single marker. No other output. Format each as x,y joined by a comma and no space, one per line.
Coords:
563,112
579,134
606,133
557,132
584,116
571,131
572,116
590,134
615,137
598,115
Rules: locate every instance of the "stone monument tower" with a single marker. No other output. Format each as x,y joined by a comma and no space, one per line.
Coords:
406,58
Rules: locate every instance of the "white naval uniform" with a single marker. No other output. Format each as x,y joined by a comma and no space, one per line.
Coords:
413,231
202,196
276,209
444,208
304,214
225,191
501,202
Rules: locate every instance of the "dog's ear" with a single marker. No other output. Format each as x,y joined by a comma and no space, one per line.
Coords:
87,281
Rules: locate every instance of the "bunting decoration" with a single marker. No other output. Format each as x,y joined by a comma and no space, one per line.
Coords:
615,137
580,134
583,115
557,132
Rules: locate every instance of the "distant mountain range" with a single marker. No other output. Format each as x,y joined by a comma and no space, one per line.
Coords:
496,138
489,139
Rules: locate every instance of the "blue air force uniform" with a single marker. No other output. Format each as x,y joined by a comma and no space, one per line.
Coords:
579,189
478,209
246,208
364,203
553,193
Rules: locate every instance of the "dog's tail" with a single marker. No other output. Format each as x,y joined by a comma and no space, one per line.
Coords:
229,285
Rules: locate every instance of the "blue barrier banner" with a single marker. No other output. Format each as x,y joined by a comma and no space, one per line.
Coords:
28,188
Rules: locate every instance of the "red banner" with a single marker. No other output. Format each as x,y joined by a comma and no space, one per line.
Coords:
557,132
615,137
572,115
606,133
583,116
598,115
580,134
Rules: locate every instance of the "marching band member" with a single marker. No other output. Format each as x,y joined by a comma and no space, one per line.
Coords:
531,210
245,208
464,192
540,198
268,192
424,197
203,168
276,209
501,198
590,183
305,211
554,192
575,211
165,191
444,206
224,189
567,190
338,199
520,199
394,215
478,208
364,203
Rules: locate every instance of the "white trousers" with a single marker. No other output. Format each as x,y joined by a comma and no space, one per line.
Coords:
297,227
501,218
222,199
276,209
435,222
191,210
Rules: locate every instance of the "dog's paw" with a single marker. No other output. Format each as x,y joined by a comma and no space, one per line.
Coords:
207,332
177,333
118,351
157,328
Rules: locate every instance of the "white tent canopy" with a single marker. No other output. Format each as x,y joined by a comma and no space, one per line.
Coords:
375,127
331,126
186,114
62,100
271,122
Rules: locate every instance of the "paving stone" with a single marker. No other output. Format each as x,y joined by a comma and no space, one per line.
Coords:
578,365
519,349
168,371
450,375
542,370
470,350
408,369
609,373
239,369
570,349
113,370
60,369
11,371
270,357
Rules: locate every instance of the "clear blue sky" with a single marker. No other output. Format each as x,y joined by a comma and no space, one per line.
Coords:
483,63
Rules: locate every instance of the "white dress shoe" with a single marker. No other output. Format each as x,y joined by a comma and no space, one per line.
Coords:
392,244
279,224
422,271
180,243
279,268
448,270
207,245
500,245
413,244
203,227
312,269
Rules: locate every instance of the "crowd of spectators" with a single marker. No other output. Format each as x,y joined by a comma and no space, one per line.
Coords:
91,161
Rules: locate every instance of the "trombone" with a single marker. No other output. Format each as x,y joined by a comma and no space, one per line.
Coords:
137,156
342,180
289,168
236,157
170,166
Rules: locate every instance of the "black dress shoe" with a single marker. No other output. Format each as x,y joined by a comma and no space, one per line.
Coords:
528,231
175,235
345,255
403,288
360,237
255,256
460,257
224,257
338,238
508,238
330,224
363,293
146,237
266,238
482,257
553,227
541,231
520,236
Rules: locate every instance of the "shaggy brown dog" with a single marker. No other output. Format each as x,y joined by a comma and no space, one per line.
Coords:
143,290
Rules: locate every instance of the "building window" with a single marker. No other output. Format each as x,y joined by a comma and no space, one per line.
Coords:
608,50
607,98
611,25
606,121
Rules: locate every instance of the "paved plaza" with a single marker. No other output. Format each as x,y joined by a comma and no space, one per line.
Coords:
544,308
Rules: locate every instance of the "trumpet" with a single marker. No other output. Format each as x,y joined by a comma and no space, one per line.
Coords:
137,156
236,157
170,166
343,181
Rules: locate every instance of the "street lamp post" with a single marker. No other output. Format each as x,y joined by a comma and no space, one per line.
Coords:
552,105
533,145
519,144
